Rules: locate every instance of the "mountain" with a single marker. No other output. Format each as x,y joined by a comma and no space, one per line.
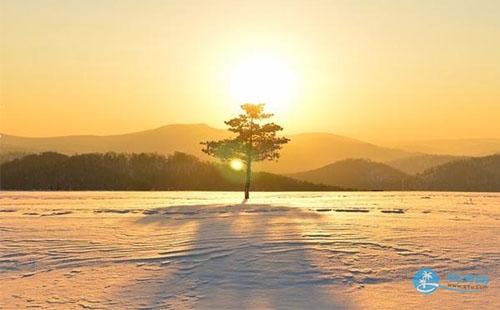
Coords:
113,171
419,163
474,174
480,174
357,174
313,150
304,151
164,140
457,147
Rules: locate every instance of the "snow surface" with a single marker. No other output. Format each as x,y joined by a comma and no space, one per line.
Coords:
161,250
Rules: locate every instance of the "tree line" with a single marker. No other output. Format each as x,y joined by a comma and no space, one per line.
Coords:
144,171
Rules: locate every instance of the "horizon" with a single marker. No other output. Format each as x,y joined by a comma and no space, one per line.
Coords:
373,71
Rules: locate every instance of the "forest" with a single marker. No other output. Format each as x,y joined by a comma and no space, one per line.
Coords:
141,171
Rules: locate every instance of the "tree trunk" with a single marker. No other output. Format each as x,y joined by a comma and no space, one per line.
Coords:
248,177
249,161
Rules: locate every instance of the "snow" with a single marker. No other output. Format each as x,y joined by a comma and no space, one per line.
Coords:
147,250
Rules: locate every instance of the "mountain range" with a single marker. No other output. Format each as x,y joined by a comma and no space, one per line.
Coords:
317,157
305,151
456,147
466,174
164,140
414,165
355,173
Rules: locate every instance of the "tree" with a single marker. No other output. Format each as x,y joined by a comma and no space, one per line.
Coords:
254,141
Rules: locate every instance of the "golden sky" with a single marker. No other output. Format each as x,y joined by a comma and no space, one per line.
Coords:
373,70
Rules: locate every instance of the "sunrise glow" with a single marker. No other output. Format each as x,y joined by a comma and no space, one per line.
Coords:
264,77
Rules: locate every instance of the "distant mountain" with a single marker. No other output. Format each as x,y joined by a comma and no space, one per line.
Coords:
314,150
357,174
474,174
112,171
304,151
458,147
419,163
164,140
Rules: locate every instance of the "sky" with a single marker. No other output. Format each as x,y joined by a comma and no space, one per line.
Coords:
373,70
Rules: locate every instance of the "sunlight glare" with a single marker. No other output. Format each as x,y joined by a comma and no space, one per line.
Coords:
236,164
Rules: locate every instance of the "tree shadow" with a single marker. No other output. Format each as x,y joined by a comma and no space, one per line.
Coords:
243,256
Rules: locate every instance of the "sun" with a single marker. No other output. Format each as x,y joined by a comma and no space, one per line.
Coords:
236,164
263,78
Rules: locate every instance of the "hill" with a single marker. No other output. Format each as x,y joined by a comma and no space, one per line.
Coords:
314,150
457,147
419,163
8,156
474,174
164,140
112,171
356,173
304,151
478,174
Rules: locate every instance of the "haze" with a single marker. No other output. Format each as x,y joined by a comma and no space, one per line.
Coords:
377,70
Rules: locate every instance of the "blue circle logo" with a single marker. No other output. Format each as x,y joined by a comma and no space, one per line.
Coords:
426,281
